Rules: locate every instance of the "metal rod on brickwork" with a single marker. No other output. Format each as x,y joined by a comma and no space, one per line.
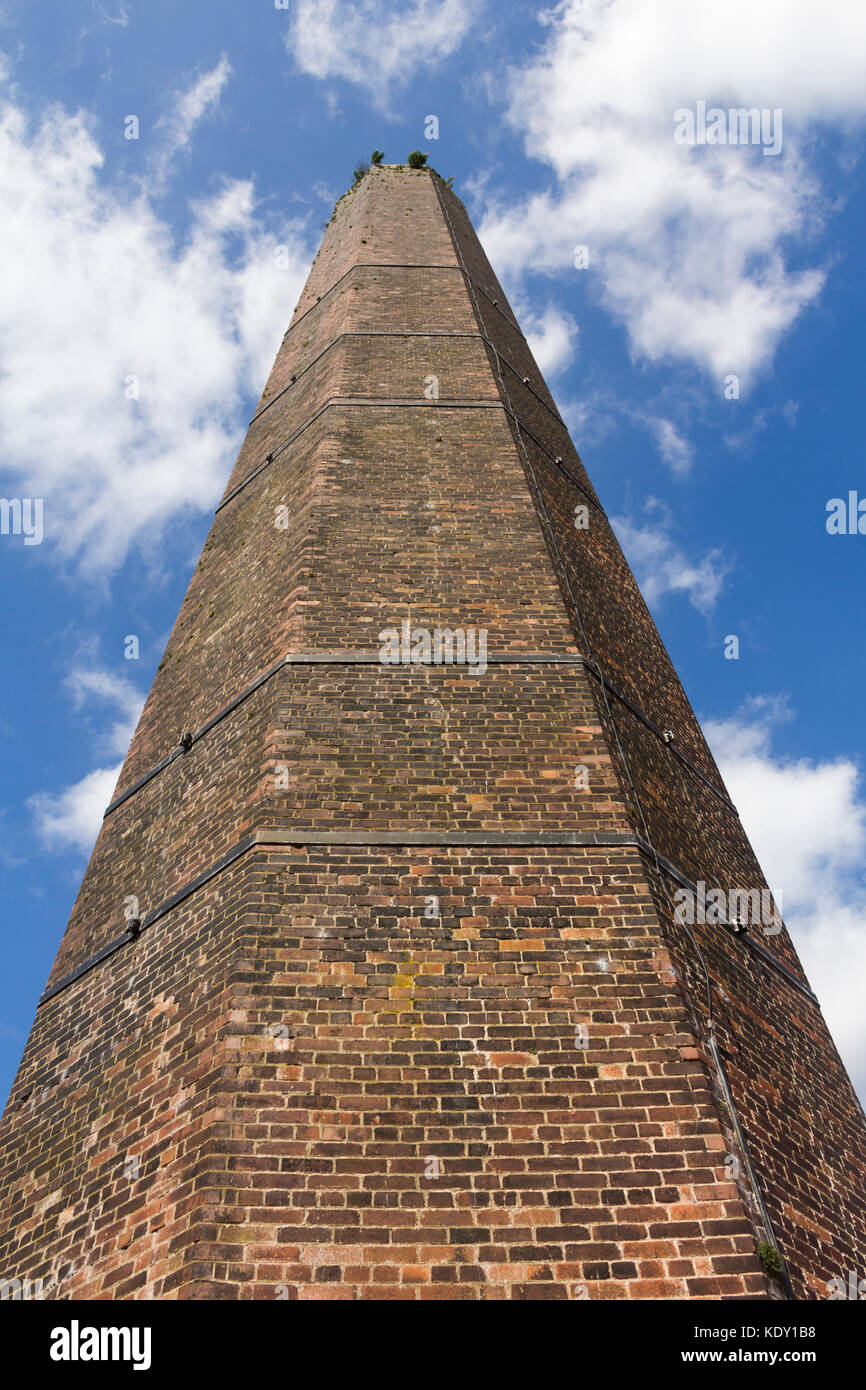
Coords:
557,556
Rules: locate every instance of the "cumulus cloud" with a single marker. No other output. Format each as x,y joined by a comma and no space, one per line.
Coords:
377,44
89,685
675,449
121,18
687,243
742,441
70,819
174,129
807,822
661,567
128,354
552,337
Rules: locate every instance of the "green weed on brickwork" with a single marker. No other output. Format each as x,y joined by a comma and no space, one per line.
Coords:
770,1257
417,160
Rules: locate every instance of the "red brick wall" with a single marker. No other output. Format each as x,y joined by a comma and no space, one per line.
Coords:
287,1047
803,1124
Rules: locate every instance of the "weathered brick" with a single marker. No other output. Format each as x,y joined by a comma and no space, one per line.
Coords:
299,1082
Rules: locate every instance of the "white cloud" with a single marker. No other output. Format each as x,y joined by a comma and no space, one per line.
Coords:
122,17
97,300
807,822
377,44
687,243
552,337
661,567
175,128
93,684
675,449
741,441
70,819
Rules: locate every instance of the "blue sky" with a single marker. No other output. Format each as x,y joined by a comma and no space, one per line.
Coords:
141,306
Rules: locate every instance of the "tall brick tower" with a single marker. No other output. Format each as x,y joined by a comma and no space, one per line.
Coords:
375,986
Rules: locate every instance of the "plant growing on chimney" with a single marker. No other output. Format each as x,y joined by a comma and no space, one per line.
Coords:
769,1257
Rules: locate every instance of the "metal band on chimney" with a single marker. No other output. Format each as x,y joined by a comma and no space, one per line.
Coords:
397,839
361,658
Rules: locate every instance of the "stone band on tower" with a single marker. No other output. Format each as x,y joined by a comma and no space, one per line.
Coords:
374,986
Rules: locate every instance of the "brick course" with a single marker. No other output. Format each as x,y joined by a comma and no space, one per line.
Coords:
368,1067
